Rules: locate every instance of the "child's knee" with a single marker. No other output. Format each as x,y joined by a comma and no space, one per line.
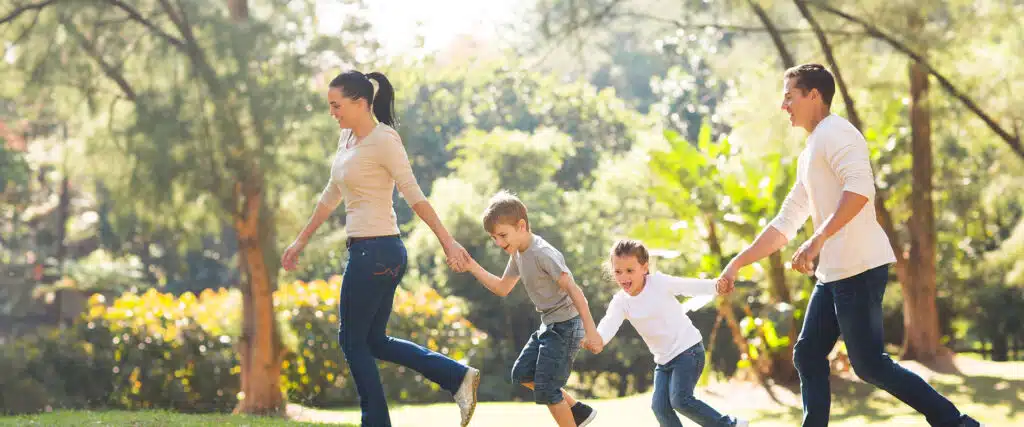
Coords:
547,395
521,374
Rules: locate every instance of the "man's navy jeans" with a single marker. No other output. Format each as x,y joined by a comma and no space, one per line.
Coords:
853,307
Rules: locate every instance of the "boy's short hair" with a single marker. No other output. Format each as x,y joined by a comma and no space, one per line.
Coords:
813,76
504,208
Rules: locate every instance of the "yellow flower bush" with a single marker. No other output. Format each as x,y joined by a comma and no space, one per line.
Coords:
316,373
157,350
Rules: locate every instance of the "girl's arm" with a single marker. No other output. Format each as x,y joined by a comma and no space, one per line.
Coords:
686,286
611,321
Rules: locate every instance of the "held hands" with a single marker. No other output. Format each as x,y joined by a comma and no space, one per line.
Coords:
723,287
290,257
592,341
458,257
803,259
727,279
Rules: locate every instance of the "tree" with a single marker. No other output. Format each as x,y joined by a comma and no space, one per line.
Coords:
921,340
14,176
201,103
1012,139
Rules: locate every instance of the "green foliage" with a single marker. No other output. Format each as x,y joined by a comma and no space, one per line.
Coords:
100,272
438,107
192,108
159,351
706,182
13,169
14,180
53,370
997,318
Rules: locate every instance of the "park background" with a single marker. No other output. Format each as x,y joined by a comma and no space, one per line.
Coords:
156,156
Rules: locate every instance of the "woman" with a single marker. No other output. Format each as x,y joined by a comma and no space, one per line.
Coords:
370,161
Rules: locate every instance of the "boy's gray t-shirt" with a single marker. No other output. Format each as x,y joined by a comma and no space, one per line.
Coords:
540,266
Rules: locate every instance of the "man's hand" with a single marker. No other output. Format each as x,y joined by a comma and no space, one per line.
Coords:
727,279
803,259
724,286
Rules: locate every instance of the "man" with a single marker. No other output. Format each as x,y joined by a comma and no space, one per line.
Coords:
834,185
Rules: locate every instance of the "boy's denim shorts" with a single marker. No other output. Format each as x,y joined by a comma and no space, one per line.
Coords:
547,358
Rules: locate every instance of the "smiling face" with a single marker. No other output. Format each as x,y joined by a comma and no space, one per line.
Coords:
799,103
511,238
346,111
630,274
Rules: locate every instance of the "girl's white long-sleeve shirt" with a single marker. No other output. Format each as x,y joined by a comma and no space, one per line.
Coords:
657,315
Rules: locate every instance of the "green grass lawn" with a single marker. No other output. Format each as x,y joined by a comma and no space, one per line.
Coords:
991,392
145,419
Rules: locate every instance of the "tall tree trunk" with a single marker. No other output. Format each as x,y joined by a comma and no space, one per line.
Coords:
63,206
623,385
238,10
777,276
1000,348
260,347
63,214
920,313
783,370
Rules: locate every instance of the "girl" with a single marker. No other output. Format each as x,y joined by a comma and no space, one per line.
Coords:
648,301
369,163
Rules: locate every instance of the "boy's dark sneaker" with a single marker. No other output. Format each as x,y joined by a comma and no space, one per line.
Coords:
583,414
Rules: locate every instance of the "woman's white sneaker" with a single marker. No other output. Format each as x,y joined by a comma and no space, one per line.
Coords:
465,397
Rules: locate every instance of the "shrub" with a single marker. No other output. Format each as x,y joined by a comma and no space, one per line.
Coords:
158,351
316,373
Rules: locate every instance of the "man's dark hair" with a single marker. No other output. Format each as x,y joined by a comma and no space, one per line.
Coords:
813,76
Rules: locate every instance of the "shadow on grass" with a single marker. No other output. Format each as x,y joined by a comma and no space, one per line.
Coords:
854,398
782,412
850,398
987,390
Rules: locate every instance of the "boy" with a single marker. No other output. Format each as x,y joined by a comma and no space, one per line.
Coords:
546,360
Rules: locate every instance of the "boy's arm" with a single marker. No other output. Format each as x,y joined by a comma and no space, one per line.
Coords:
500,286
593,339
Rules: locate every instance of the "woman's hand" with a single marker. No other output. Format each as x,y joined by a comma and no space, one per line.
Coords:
458,256
290,258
